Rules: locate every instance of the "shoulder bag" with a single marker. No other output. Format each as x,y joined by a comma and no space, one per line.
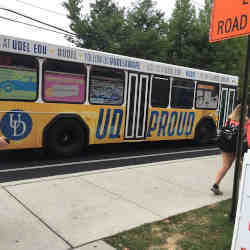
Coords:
228,138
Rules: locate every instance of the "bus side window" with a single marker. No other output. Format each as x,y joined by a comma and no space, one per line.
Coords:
182,93
106,86
160,91
19,80
64,82
207,95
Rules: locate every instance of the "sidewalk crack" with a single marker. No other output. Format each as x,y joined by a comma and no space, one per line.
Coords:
123,198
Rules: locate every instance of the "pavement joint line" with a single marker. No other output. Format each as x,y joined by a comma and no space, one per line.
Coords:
93,172
182,186
138,205
37,217
102,160
119,196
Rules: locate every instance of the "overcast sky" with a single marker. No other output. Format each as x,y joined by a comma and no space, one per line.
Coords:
52,12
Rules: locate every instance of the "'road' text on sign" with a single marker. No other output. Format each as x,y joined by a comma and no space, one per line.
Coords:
229,19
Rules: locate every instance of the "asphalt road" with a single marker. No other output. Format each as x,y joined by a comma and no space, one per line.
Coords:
28,164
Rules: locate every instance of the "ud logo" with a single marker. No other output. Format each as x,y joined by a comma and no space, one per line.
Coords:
16,125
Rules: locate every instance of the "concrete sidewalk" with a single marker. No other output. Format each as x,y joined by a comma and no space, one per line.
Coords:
76,211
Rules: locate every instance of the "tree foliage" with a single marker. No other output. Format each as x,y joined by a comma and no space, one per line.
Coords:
182,34
224,56
146,31
102,29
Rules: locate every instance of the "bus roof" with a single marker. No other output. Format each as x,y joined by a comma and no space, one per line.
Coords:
92,57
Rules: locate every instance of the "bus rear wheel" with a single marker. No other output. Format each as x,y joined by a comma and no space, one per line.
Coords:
205,132
65,138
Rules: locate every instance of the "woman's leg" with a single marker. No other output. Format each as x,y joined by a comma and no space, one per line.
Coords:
227,160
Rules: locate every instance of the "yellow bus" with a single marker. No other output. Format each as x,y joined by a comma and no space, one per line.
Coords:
63,99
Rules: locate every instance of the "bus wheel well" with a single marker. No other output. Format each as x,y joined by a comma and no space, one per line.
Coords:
205,131
66,135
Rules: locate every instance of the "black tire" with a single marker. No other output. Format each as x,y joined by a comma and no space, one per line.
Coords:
65,138
205,132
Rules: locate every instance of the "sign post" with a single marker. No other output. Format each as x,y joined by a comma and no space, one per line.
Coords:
237,170
229,19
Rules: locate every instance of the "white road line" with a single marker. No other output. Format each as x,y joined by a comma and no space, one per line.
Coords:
102,160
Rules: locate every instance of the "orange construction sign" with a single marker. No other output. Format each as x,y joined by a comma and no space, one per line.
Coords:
229,18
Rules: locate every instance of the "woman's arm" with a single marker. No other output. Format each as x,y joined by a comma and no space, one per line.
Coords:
3,142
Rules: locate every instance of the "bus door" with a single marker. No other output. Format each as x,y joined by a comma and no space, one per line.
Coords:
137,105
227,101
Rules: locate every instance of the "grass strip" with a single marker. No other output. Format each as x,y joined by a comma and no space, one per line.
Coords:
207,228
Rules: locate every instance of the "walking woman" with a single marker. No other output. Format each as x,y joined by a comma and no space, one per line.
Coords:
228,154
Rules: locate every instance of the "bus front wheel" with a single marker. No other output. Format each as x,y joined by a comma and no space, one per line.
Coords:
205,132
65,138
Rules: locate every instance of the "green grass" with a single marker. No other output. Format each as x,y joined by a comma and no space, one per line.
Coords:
207,228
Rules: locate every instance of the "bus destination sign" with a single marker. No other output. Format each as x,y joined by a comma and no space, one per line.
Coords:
229,19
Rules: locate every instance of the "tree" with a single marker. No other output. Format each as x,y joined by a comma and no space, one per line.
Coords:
183,34
224,56
102,29
146,31
141,32
188,40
